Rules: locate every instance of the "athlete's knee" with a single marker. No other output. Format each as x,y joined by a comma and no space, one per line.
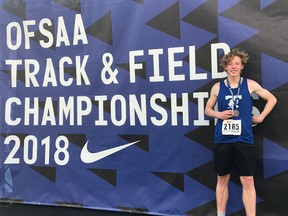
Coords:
247,182
223,180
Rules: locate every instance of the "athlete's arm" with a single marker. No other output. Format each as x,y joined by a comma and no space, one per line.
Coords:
271,100
209,109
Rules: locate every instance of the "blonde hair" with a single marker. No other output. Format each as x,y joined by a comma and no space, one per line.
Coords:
225,60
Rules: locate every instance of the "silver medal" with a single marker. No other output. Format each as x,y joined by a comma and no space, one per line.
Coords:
236,113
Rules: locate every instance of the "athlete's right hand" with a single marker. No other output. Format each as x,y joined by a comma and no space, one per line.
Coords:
226,114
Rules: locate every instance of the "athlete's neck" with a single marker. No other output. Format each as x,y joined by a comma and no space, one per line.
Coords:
233,81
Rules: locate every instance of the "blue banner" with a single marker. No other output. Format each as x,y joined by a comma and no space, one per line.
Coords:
102,102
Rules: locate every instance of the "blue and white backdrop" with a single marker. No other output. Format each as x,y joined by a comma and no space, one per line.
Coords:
102,102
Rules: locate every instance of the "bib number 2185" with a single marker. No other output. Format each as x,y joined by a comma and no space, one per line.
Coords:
231,127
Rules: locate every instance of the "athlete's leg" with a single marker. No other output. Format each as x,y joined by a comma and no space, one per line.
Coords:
249,195
222,192
223,158
245,161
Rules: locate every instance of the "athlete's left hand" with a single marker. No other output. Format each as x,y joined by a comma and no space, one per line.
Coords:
256,120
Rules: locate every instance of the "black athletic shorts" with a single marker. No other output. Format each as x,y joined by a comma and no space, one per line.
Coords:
239,155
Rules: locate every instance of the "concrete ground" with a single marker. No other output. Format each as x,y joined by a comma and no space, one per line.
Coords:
40,210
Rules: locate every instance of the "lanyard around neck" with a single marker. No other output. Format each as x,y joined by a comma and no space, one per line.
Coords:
234,98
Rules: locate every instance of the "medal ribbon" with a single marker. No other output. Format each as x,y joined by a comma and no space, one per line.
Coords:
234,97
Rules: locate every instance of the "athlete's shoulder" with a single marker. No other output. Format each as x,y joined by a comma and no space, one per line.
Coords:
252,82
215,87
253,85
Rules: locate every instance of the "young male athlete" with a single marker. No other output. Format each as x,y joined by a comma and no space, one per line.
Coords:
233,136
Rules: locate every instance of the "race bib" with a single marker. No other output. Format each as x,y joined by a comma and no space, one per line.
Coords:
231,127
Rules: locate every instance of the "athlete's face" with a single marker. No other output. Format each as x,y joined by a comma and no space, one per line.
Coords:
234,67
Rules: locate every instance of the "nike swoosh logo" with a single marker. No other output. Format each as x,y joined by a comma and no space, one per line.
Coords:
91,157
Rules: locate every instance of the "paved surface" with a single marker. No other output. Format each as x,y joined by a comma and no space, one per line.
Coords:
35,210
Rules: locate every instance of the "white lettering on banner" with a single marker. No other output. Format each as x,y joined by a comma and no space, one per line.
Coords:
32,68
30,150
101,120
27,33
14,33
139,110
10,103
133,66
156,65
214,56
108,75
159,110
192,66
132,110
118,111
175,109
173,64
167,66
65,110
48,112
201,107
48,43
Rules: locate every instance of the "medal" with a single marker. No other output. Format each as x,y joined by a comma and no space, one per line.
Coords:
236,113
